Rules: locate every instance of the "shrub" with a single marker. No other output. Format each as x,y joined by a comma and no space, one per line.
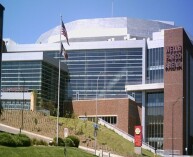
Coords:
42,142
34,141
75,140
80,131
22,140
39,142
60,141
7,139
68,142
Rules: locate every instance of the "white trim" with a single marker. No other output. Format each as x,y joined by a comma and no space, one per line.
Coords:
143,120
77,46
31,56
93,116
15,95
102,99
33,47
144,64
143,87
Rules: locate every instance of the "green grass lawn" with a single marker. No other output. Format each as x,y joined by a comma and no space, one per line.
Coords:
107,139
41,151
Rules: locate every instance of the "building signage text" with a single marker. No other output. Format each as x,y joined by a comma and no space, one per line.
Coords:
173,58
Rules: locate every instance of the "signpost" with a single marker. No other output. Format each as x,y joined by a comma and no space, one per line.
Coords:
65,132
138,139
65,135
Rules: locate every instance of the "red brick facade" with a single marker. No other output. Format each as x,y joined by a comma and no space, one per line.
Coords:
175,46
127,111
173,94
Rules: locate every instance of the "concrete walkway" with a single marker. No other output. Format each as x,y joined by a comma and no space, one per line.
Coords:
13,130
99,153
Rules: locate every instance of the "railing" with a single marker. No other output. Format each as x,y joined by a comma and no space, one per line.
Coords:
125,135
117,130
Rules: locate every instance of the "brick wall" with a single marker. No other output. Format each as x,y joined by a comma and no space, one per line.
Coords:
119,107
173,92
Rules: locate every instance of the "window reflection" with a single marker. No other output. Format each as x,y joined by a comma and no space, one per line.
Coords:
154,119
155,65
119,67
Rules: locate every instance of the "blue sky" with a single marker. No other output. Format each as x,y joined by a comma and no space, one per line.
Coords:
26,20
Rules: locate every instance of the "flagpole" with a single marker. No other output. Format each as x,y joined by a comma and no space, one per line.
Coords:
112,8
58,87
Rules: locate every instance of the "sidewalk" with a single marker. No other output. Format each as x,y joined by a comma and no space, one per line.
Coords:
99,153
13,130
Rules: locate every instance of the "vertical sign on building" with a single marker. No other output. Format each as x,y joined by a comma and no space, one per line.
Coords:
173,58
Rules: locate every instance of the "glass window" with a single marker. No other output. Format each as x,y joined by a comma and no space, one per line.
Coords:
155,65
118,67
154,119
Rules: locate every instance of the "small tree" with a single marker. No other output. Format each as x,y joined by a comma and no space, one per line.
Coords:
85,120
51,107
36,123
75,121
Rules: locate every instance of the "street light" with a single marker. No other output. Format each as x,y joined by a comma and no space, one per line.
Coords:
22,103
96,121
173,122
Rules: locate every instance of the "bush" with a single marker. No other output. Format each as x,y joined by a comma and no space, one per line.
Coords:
68,142
7,139
19,140
75,140
60,141
22,140
38,142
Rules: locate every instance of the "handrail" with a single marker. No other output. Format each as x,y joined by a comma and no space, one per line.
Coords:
124,134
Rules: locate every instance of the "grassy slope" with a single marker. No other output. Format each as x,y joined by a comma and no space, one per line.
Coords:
106,139
41,151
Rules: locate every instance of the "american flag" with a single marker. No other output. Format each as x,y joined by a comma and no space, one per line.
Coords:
64,32
65,55
62,50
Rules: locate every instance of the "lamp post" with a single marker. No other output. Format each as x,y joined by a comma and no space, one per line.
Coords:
173,122
96,119
22,108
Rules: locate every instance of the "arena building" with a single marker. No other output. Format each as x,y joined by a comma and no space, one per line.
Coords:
127,72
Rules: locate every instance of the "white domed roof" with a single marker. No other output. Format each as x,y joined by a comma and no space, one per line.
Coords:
100,29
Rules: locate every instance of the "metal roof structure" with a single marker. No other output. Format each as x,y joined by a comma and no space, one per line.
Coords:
102,29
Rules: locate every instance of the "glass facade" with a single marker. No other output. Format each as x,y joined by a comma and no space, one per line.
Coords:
154,119
155,100
113,68
28,76
19,74
49,83
155,65
189,101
